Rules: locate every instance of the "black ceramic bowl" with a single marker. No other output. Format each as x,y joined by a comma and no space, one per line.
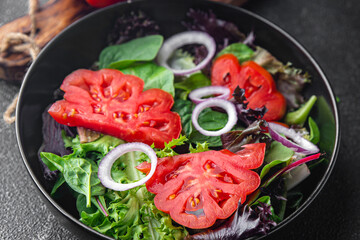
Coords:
79,46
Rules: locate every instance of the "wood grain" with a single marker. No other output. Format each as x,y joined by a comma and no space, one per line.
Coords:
51,19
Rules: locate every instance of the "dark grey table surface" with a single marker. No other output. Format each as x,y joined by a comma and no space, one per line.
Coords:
328,29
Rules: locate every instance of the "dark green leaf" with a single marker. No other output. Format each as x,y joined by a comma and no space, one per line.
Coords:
314,131
123,55
184,108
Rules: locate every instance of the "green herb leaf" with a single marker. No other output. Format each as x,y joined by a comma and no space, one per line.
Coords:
123,55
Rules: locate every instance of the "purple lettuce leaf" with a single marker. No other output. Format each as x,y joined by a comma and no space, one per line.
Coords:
245,223
245,114
53,141
234,140
131,26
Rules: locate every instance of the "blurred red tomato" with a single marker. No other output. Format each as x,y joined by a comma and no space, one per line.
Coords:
102,3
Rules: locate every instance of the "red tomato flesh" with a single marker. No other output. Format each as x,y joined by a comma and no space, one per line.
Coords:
260,88
113,103
102,3
197,189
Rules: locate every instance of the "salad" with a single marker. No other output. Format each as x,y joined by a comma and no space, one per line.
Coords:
202,135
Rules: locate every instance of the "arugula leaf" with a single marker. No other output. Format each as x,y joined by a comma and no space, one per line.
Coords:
154,76
241,51
123,55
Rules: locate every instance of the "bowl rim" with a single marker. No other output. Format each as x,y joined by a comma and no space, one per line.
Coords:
271,26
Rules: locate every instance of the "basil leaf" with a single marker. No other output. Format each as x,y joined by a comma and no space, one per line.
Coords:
123,55
154,76
240,50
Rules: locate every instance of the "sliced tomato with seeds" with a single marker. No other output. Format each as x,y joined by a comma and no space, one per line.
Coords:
199,188
113,103
226,72
260,88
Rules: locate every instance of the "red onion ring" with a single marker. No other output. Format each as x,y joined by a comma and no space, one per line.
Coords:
226,105
197,95
104,171
178,40
298,143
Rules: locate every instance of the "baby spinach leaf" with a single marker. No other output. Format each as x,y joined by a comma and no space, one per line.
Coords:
123,55
240,50
154,76
184,108
81,175
194,81
277,154
53,161
198,137
60,181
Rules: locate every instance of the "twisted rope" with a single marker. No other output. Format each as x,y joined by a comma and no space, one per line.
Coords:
20,43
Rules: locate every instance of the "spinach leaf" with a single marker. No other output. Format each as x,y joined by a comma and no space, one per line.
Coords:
154,76
194,81
208,119
277,154
123,55
79,173
241,51
196,137
184,108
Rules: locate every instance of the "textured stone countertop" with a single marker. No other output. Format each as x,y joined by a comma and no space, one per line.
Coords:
328,29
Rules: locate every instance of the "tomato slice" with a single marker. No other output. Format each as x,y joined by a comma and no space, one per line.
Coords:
260,88
198,188
225,72
113,103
